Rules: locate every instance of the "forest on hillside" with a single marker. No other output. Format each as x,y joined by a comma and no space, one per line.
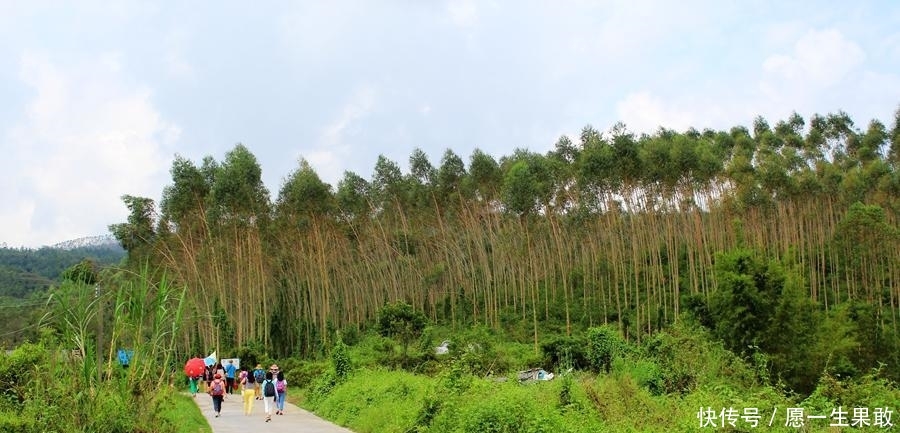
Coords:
26,274
781,237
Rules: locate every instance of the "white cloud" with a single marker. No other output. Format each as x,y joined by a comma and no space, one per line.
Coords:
332,149
463,13
175,60
643,112
819,59
86,138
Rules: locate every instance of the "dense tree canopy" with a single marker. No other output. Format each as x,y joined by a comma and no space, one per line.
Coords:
607,227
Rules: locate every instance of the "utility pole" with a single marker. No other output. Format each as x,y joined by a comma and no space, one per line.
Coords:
99,332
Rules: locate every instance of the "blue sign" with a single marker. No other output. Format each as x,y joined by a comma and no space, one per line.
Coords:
125,356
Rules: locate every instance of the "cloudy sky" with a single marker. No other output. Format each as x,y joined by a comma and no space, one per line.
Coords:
96,98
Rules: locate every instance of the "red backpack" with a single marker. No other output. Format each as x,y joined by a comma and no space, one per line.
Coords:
217,387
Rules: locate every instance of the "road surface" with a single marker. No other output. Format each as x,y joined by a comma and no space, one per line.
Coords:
233,420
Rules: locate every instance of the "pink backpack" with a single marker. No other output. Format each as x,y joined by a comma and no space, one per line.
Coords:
280,385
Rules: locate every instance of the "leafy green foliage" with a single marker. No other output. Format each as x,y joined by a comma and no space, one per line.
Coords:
24,272
138,233
744,303
340,361
401,321
84,272
604,344
89,391
566,352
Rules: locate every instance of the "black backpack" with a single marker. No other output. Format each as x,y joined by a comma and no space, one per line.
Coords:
269,389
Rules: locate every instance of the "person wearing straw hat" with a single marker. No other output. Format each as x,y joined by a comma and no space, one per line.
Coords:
259,375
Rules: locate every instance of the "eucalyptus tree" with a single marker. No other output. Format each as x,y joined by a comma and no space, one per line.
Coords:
870,146
563,160
868,243
422,179
137,235
386,185
485,176
597,176
184,200
527,183
894,149
450,178
239,213
353,198
527,191
238,192
628,165
790,131
462,235
304,216
183,208
484,184
389,193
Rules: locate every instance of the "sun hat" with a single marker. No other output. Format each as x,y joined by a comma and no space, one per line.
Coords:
218,376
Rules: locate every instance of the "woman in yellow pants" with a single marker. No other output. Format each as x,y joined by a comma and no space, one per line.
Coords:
247,391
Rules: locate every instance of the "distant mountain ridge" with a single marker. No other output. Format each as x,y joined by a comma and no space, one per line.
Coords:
25,272
101,241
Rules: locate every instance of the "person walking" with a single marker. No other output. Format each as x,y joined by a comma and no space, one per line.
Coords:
230,370
269,391
220,369
259,375
281,390
194,382
247,391
207,377
217,391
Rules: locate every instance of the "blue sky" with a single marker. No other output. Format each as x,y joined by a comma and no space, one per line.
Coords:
98,97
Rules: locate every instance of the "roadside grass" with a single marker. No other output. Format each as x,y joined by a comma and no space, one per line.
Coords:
672,383
181,412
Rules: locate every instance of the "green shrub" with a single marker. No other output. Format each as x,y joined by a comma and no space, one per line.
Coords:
566,352
322,387
340,362
645,372
509,414
12,423
303,374
605,343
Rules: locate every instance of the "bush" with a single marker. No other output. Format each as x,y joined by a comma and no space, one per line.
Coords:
604,345
340,362
322,387
12,423
566,352
509,414
300,373
402,322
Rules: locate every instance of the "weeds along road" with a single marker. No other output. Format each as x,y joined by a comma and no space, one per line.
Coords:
233,420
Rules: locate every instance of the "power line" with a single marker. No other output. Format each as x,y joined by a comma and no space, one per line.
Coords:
33,325
25,304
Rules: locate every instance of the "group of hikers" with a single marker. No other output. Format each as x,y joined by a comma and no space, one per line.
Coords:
257,384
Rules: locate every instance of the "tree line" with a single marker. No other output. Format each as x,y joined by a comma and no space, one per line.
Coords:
607,227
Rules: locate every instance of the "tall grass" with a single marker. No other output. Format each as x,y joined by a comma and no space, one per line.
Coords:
50,388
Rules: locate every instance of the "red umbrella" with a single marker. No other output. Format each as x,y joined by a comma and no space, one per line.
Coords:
194,367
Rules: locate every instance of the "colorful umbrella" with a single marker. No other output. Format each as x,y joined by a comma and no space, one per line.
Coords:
194,367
